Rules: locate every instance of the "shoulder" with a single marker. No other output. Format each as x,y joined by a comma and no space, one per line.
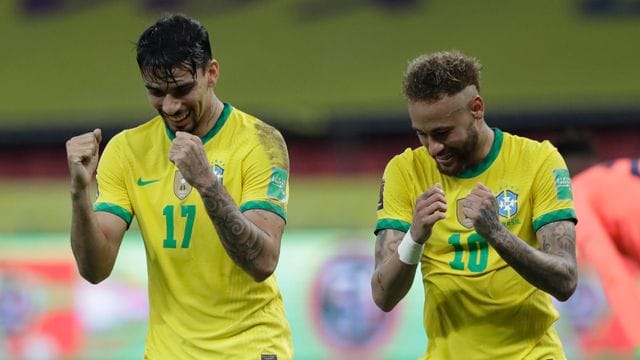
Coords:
254,125
617,171
145,133
528,151
528,145
410,156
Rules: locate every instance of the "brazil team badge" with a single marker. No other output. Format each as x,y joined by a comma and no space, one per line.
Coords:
218,171
507,204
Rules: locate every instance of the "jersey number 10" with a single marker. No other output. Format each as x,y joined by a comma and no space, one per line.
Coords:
477,248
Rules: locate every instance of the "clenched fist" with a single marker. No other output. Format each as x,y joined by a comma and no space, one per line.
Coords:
187,152
82,157
481,207
431,207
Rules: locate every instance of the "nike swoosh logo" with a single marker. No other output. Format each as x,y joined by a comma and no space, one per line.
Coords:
143,183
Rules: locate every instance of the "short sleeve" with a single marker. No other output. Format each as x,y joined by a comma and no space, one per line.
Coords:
265,179
395,205
552,195
112,190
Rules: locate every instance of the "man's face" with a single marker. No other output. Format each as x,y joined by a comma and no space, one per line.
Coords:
187,103
449,131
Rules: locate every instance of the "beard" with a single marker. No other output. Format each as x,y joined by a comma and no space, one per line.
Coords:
463,155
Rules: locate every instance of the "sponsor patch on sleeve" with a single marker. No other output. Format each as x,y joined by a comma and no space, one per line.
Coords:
563,184
277,188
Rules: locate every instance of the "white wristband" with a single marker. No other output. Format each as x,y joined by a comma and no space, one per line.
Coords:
410,251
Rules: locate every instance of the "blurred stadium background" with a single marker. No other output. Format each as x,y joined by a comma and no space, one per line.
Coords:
327,73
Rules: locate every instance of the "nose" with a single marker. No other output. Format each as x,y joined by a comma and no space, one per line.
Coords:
170,105
434,147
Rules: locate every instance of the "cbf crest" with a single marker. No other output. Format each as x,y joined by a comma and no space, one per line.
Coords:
218,171
507,204
180,186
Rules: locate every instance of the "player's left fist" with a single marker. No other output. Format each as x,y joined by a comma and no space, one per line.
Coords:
187,152
482,208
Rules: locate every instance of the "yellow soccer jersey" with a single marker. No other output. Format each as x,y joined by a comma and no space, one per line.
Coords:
202,305
476,306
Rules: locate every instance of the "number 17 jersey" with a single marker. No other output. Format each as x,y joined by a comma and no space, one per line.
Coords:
202,305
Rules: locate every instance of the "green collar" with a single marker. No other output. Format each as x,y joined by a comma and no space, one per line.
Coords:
222,119
483,165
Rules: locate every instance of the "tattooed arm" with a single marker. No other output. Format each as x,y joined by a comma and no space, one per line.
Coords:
391,278
252,239
552,268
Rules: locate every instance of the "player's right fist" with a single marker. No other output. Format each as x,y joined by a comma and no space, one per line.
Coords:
82,157
431,207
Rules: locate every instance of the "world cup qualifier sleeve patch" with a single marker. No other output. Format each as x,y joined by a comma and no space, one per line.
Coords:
563,184
277,188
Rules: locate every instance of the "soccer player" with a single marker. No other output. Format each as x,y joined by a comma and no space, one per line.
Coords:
488,215
208,185
607,198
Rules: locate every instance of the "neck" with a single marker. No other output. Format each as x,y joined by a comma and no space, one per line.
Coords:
210,119
485,142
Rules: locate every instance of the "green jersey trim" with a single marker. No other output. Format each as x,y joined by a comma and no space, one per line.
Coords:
222,119
264,205
488,160
115,210
564,214
394,224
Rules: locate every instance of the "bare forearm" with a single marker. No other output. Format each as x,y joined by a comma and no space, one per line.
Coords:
552,273
391,282
391,279
246,244
89,245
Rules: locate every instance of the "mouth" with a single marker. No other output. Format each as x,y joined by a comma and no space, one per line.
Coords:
181,121
445,159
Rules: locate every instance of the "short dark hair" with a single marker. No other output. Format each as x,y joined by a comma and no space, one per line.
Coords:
174,41
431,77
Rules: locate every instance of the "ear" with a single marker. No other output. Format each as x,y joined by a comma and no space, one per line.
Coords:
213,71
477,107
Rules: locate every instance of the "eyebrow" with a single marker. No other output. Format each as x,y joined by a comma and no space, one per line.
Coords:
178,87
442,128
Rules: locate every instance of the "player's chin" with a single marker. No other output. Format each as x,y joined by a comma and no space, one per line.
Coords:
451,170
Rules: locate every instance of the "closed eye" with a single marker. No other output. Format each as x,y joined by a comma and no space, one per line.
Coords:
181,91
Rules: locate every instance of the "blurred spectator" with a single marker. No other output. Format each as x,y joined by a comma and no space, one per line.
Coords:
606,200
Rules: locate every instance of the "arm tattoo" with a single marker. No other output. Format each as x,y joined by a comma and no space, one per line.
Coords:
386,245
552,268
240,237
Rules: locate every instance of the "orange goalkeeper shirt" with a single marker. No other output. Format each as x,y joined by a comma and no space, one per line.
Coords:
607,201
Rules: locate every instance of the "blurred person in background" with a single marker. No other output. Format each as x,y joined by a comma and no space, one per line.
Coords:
607,200
488,216
208,185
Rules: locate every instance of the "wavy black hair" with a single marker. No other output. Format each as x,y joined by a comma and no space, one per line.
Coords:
174,41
